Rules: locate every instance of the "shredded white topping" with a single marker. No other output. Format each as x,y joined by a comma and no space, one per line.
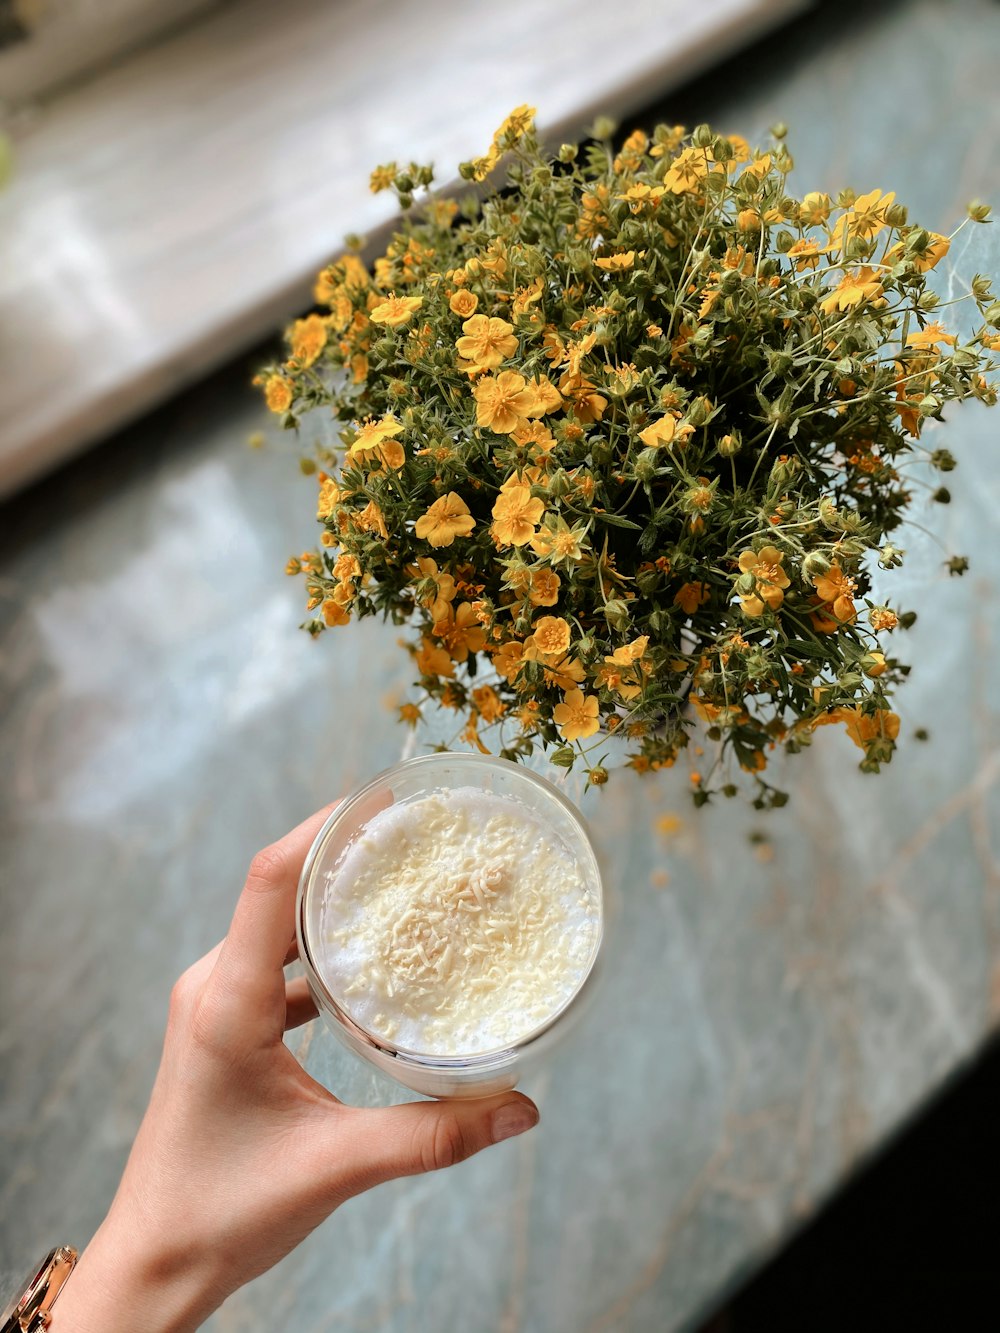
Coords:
458,923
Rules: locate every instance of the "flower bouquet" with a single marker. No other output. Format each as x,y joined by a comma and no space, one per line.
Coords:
620,438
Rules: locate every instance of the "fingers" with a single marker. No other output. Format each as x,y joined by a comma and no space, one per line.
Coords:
379,1145
300,1007
254,951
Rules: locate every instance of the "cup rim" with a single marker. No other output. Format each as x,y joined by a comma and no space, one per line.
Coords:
406,1056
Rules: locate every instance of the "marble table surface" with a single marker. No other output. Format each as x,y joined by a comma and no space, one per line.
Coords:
770,1013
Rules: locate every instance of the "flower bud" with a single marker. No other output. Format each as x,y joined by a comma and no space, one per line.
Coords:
730,445
603,128
814,566
890,556
873,664
943,460
616,614
978,212
598,776
567,152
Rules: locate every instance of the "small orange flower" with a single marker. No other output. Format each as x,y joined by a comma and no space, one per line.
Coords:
432,660
463,303
770,580
503,401
277,393
446,519
854,289
577,715
515,514
618,263
486,342
837,591
666,432
544,590
307,338
863,728
550,638
459,631
396,310
690,596
930,337
880,618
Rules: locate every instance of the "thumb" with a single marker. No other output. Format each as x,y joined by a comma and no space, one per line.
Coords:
381,1144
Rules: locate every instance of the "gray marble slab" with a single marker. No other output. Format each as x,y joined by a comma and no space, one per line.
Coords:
768,1016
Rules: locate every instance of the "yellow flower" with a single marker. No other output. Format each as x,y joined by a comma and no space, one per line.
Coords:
853,290
307,338
503,401
814,209
460,631
564,673
863,728
382,177
515,514
346,567
770,580
547,396
508,659
480,167
334,613
933,252
396,310
409,713
329,496
930,337
666,431
488,703
805,253
559,541
618,263
447,518
463,303
836,590
444,585
550,638
526,297
277,393
632,652
432,660
516,125
690,596
866,217
641,197
544,590
687,170
371,519
487,342
536,435
880,618
577,715
372,437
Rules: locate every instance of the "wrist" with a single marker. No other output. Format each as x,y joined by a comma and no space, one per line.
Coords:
121,1284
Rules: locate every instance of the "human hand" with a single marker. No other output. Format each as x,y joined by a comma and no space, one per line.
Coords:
241,1154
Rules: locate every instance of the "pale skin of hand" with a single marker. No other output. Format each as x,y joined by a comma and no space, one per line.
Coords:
241,1154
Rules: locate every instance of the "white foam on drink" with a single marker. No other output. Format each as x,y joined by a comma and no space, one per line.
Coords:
457,923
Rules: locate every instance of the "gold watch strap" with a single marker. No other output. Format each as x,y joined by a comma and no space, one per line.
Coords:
30,1313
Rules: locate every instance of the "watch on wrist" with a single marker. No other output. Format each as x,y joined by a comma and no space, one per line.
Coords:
29,1312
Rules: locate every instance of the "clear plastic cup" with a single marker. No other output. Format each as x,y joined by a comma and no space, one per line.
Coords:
484,1073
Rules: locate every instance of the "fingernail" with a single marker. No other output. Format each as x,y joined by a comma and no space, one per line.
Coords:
514,1118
